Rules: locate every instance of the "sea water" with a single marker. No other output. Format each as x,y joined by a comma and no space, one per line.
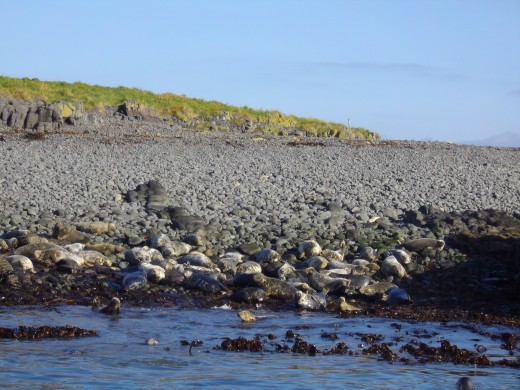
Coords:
119,356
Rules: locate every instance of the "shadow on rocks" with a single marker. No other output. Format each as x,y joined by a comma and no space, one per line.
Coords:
486,274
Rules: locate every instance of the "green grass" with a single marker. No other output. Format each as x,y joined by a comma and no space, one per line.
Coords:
168,105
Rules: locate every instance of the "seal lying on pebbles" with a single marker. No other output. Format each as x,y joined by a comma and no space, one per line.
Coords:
154,273
343,305
134,280
362,262
196,258
5,268
309,248
175,248
368,253
267,256
421,244
249,295
391,267
204,283
317,262
96,228
228,265
137,255
21,263
92,258
397,296
332,255
64,232
376,290
4,246
311,301
249,267
401,256
275,288
286,271
75,247
320,282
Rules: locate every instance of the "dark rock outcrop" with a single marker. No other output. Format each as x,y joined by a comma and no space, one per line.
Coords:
137,111
38,116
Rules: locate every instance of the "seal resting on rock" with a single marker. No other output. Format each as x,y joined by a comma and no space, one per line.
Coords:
397,296
134,280
309,248
345,306
96,228
311,301
266,256
391,267
198,259
249,295
65,232
421,244
21,263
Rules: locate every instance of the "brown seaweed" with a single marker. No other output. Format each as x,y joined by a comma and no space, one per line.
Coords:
46,331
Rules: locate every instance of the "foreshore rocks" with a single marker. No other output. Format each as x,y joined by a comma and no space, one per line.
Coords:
258,222
34,272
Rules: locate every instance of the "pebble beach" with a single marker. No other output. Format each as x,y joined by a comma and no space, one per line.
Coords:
264,197
413,231
246,188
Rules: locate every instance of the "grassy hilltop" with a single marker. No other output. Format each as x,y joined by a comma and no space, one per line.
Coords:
196,112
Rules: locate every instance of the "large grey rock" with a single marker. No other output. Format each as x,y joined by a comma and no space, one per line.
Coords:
188,223
137,111
31,118
16,114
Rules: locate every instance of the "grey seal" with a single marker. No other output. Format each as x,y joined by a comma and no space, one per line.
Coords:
421,244
266,256
309,248
113,308
134,280
397,296
249,295
465,383
204,283
391,267
311,301
198,259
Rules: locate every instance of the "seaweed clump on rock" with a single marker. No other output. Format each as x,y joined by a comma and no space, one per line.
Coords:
242,344
46,331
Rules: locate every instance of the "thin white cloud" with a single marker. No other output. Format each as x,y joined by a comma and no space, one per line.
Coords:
410,68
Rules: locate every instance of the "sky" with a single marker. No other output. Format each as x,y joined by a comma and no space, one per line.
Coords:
407,69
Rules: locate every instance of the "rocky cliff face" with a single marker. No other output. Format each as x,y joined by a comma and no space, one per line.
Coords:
131,118
41,117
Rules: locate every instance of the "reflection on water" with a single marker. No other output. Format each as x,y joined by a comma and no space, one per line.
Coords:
120,357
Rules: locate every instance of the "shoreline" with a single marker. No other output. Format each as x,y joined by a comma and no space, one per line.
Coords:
473,278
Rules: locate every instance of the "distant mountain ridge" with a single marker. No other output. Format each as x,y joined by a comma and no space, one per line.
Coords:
507,139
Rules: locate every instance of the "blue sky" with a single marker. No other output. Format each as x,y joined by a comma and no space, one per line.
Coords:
417,69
